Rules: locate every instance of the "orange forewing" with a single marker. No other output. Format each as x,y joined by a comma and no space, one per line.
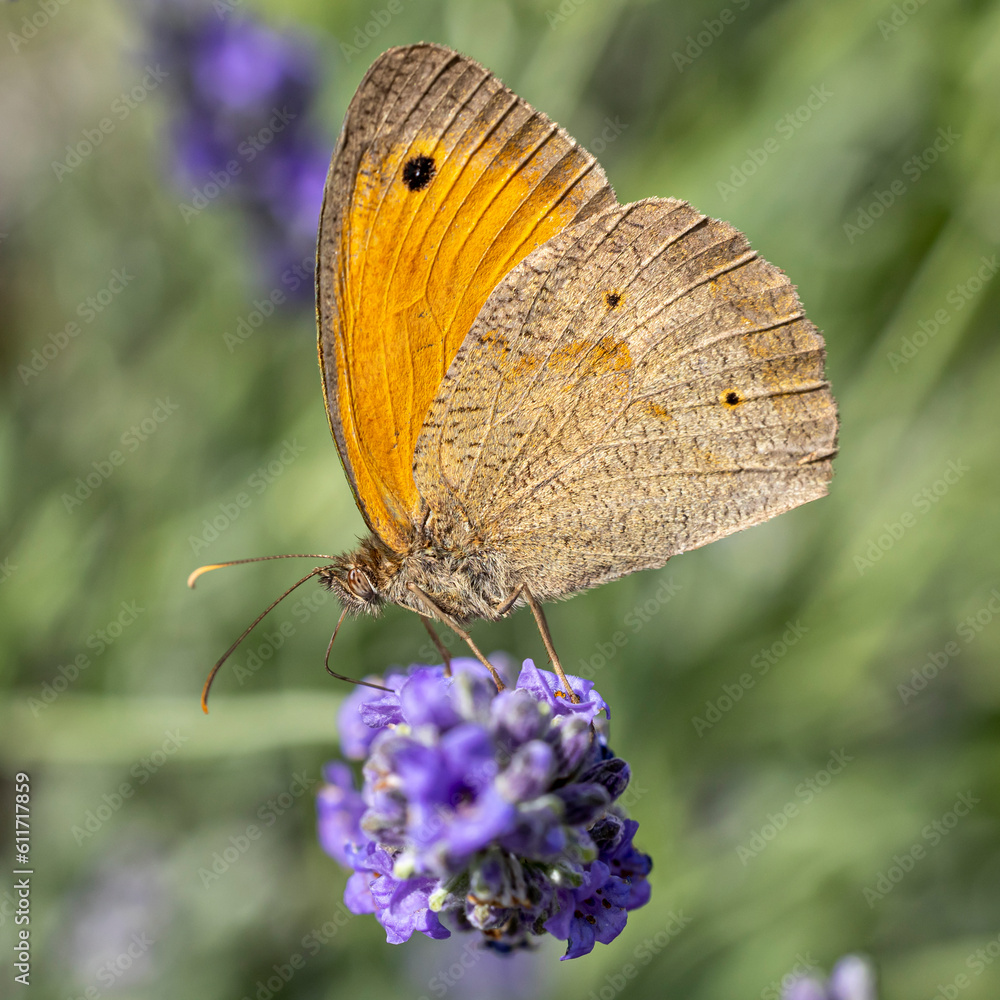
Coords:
402,272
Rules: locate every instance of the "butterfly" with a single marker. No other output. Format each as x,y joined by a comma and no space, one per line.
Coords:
533,388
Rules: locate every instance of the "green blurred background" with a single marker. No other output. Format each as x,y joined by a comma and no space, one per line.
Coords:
746,667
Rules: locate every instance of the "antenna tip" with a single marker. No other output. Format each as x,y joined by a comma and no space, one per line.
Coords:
193,578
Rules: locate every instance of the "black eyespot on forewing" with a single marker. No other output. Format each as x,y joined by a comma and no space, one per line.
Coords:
612,299
417,172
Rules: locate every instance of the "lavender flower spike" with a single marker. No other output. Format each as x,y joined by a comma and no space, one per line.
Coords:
482,811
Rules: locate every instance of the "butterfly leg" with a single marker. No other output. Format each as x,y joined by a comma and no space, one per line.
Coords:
543,627
509,603
441,648
444,617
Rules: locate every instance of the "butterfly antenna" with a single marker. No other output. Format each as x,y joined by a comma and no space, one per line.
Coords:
193,578
341,677
229,652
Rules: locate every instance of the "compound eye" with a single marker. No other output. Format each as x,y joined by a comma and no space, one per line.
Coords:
360,586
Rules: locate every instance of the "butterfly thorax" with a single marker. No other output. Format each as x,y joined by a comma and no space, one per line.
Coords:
466,581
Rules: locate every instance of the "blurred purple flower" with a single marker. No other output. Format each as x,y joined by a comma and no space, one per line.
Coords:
244,66
852,978
243,129
484,811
